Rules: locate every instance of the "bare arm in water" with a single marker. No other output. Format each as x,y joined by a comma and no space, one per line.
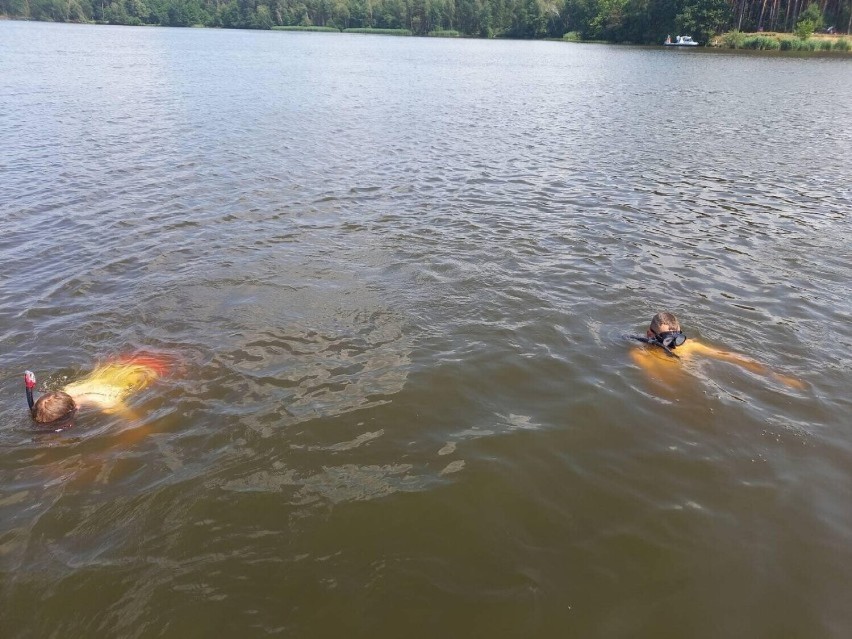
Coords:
654,360
742,361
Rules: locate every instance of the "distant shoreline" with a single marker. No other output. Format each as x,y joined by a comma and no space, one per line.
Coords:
840,44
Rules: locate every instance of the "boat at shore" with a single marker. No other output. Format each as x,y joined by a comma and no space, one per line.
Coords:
680,41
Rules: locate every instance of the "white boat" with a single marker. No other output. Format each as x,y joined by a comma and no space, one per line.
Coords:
680,41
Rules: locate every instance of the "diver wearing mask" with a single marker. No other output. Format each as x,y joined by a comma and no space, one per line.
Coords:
664,334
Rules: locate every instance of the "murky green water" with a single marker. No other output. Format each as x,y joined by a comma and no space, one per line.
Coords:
395,274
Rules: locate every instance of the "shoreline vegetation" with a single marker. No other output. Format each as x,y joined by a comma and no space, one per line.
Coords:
763,25
782,42
440,33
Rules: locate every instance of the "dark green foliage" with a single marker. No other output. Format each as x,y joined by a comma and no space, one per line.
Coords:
185,13
814,15
805,29
809,21
49,10
14,8
703,18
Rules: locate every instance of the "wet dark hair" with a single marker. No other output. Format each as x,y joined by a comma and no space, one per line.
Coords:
54,406
664,319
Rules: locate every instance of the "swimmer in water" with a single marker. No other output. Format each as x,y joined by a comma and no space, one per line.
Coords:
106,388
669,344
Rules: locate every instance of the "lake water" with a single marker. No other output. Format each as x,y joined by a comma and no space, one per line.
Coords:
395,275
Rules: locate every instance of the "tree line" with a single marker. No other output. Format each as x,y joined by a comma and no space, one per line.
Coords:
638,21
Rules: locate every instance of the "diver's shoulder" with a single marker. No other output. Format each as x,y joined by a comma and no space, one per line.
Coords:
650,352
692,346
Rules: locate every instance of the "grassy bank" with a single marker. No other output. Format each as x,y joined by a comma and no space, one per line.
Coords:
782,42
395,32
332,29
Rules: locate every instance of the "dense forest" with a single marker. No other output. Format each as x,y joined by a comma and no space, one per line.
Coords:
639,21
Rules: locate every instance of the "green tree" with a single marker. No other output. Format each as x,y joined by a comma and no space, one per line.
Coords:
649,20
49,10
137,9
578,16
15,8
809,21
340,14
185,13
486,21
805,29
608,21
115,13
813,14
262,18
703,19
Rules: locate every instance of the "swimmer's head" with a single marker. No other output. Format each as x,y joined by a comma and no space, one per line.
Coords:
662,323
54,407
665,329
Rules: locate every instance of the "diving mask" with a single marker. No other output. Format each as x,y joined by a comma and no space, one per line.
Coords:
670,339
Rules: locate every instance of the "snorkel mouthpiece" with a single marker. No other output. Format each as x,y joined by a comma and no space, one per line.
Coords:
29,383
669,340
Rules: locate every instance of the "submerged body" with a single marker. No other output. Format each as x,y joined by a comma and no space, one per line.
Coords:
106,388
110,384
650,356
666,363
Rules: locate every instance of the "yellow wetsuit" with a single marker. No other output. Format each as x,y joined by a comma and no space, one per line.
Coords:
655,361
109,384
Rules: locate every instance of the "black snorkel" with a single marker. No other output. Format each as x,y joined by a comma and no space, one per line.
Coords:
667,340
29,383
